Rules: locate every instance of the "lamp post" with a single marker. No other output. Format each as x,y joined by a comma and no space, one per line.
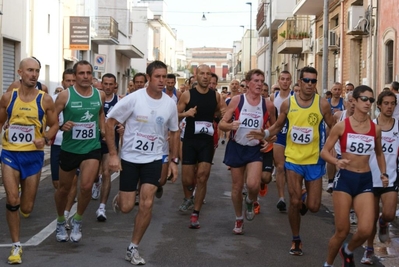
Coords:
250,34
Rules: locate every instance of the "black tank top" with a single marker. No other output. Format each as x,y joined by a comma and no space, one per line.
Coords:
206,107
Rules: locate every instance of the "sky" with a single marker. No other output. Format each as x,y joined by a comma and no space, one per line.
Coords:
223,24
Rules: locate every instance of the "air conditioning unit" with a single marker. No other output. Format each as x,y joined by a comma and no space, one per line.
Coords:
356,20
307,45
319,45
333,40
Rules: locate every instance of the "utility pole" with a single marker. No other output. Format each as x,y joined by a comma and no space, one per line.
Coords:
269,76
250,35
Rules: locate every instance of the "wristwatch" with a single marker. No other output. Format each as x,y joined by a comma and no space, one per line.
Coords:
384,174
175,160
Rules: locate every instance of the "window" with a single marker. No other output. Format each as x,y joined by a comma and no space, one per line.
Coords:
389,62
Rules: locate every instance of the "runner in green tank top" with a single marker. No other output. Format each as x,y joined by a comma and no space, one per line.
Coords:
83,117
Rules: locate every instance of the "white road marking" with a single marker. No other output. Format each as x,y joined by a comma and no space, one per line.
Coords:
49,229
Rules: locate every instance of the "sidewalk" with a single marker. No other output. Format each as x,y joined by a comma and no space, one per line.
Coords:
387,253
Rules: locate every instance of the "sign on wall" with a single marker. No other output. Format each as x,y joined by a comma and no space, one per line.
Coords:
79,33
99,62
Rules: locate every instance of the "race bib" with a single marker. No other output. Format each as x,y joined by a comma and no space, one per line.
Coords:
203,127
250,120
359,144
146,143
301,135
388,145
84,130
21,134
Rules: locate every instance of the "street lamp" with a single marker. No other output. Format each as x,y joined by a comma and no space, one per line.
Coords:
250,34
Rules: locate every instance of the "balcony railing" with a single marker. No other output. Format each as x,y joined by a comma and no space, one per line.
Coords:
293,29
105,30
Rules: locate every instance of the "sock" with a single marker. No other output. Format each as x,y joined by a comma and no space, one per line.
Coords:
369,248
347,251
196,212
132,245
248,201
77,217
66,213
296,237
102,206
17,244
240,218
61,218
281,199
382,222
327,265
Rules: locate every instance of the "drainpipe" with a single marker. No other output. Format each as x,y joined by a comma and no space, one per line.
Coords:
341,42
325,49
269,76
375,47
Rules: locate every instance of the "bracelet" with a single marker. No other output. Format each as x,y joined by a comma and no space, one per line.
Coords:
267,134
46,140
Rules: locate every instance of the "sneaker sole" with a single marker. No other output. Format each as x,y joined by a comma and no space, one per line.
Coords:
101,219
75,241
14,262
62,240
296,253
194,227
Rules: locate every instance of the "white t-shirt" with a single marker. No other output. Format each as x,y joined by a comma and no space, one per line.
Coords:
145,122
396,110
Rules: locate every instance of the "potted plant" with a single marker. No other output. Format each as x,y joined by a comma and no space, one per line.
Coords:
282,34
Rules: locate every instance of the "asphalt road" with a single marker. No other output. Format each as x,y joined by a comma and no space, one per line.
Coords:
168,240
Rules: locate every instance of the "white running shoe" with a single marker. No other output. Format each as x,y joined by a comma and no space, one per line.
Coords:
101,217
133,256
76,232
61,232
95,191
367,257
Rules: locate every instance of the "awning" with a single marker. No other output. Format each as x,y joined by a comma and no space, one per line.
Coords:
129,51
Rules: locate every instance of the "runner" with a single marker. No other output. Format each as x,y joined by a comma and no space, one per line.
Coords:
386,103
27,111
246,112
147,114
359,137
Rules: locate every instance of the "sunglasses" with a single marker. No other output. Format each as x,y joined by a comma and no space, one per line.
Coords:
366,98
307,80
242,85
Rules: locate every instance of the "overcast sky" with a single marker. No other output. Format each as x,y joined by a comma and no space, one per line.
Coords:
222,27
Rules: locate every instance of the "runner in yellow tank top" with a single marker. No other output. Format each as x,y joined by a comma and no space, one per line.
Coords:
303,162
28,111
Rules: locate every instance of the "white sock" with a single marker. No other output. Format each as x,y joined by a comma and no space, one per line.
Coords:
132,245
17,244
347,251
282,199
240,218
102,206
66,214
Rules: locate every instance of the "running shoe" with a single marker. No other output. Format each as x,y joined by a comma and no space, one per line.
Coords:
239,227
368,257
346,258
282,207
133,256
245,190
249,211
194,223
352,217
304,208
159,192
76,232
330,188
296,248
15,255
96,189
115,205
101,217
61,233
383,231
137,201
67,223
186,205
263,190
256,207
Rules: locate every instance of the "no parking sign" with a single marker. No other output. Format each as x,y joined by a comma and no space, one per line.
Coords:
99,62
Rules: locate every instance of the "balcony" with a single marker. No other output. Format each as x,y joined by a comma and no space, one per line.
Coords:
279,13
290,35
104,30
308,7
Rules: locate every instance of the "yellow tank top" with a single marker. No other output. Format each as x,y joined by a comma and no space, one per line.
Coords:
306,133
26,123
